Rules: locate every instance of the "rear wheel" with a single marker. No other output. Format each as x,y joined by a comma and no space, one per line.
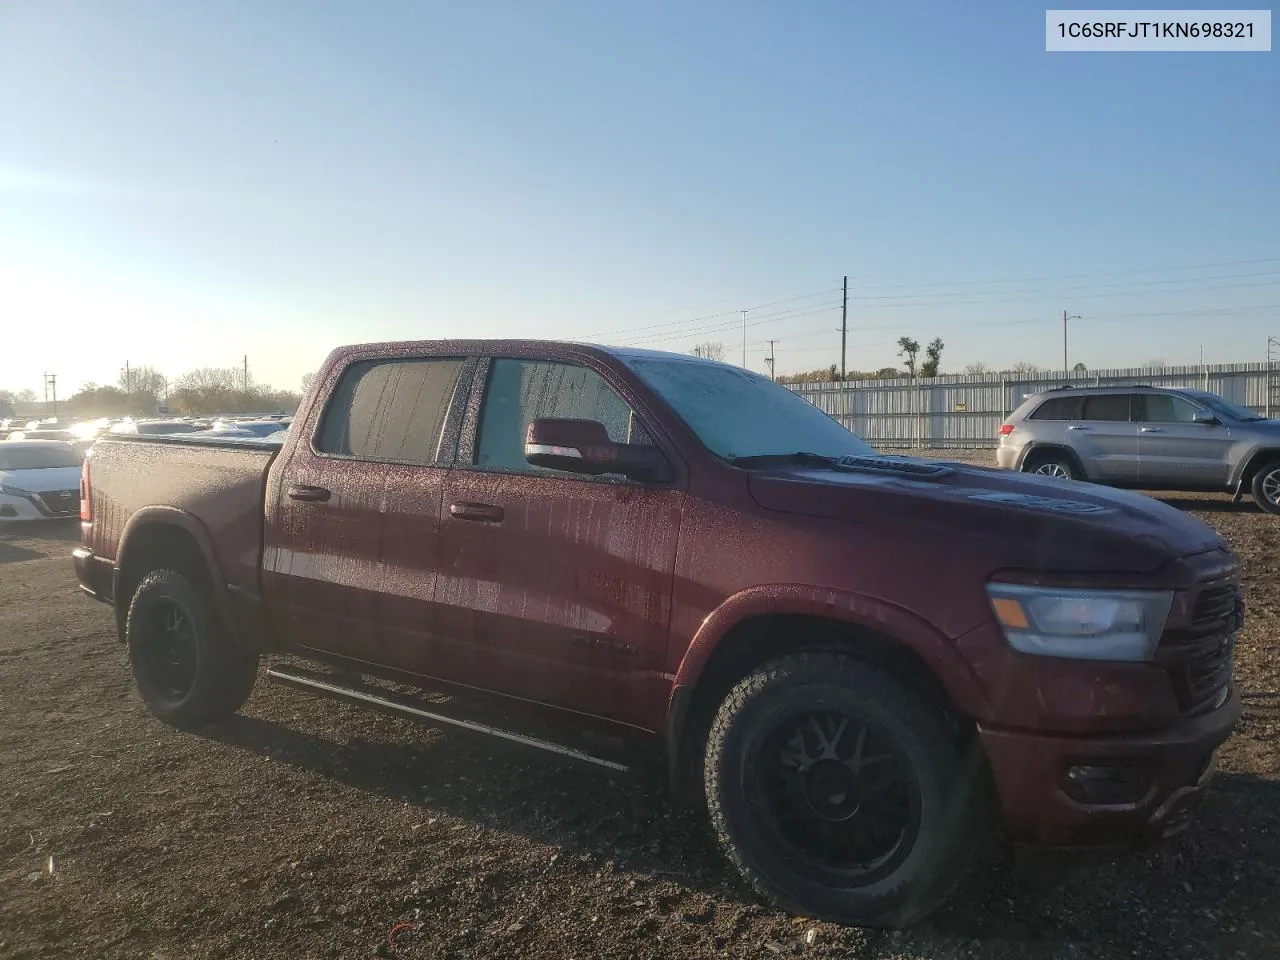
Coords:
1055,465
1266,486
187,673
839,794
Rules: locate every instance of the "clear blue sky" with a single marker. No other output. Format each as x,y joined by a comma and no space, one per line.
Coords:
182,183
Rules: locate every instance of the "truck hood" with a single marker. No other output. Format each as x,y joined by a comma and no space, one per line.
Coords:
1029,522
45,480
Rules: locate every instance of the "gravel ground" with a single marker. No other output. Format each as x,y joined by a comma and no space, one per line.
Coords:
308,829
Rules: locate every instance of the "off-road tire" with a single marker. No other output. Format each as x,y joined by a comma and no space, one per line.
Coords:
1050,464
1267,476
218,675
952,809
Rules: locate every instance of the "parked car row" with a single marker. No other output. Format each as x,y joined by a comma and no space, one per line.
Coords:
40,459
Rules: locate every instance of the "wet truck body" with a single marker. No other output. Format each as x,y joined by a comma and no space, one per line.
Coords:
613,553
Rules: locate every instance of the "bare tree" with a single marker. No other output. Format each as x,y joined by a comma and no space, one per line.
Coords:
710,350
932,358
210,390
144,379
307,380
1022,366
908,349
25,396
1154,363
976,369
1080,368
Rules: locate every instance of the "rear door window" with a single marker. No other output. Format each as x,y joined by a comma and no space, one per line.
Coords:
1058,408
390,410
1112,407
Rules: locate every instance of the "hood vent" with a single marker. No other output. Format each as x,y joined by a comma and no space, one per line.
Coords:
1052,504
907,466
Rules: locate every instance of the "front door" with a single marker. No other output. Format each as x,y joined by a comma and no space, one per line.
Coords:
1105,438
558,585
352,523
1174,450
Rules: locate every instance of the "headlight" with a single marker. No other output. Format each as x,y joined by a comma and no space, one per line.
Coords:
1081,624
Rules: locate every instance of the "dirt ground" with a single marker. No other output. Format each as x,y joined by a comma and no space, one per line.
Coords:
307,829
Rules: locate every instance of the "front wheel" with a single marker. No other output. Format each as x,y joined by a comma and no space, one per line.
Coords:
187,673
839,794
1266,487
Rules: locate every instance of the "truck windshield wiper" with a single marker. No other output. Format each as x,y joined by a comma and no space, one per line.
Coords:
769,459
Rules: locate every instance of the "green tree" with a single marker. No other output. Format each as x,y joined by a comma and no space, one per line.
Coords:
932,358
908,350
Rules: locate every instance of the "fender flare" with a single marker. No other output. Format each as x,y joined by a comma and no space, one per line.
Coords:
916,634
159,515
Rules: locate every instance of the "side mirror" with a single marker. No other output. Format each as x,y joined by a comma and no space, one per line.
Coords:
1204,416
583,446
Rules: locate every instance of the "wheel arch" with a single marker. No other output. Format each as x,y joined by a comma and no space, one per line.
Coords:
165,538
1254,462
761,624
1034,450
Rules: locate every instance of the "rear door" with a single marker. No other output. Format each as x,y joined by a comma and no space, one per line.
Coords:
352,532
556,587
1106,438
1173,449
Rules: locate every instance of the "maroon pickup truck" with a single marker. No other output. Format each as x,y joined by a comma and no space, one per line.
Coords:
861,661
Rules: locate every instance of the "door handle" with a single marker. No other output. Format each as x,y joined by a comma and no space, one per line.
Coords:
480,512
1076,426
308,494
1152,430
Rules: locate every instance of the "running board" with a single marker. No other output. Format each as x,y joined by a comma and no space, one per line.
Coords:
385,700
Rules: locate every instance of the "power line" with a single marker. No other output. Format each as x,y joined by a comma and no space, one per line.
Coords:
1208,311
720,328
1069,276
1075,296
1023,295
1053,291
713,316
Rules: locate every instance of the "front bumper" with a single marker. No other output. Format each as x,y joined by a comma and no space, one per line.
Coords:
1169,772
15,508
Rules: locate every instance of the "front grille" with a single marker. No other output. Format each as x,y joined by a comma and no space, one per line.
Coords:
1199,659
61,503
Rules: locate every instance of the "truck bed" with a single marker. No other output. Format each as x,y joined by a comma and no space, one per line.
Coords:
218,484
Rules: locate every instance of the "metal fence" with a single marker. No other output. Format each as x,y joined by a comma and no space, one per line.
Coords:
964,411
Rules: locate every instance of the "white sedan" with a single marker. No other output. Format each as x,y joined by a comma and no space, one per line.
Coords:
39,480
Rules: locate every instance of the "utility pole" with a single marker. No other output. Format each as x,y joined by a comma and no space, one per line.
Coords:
770,359
844,327
1065,318
128,379
744,339
51,387
246,374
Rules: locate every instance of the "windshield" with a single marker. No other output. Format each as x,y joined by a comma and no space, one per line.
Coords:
27,458
1233,410
739,414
